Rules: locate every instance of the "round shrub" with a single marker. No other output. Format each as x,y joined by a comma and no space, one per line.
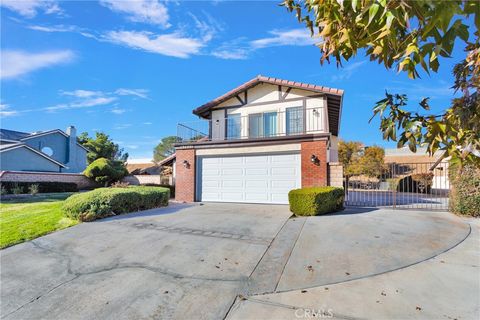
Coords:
105,171
104,202
315,200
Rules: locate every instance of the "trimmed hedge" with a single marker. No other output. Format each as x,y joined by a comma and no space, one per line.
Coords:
465,194
104,202
315,200
171,188
43,187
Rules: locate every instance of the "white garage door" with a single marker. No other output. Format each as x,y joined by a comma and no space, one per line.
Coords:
253,178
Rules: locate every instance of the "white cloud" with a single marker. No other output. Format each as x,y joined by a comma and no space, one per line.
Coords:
118,111
295,37
147,123
207,29
231,53
82,93
241,48
147,11
141,93
348,71
16,63
173,44
122,126
237,49
55,28
30,8
5,111
86,103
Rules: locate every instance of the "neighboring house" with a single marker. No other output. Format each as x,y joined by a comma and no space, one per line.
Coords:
259,141
404,155
142,167
48,151
421,162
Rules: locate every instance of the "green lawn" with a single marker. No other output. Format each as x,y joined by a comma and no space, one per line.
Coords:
26,219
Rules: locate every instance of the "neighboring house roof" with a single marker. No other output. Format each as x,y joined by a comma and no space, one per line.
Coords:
13,146
11,135
404,155
334,97
168,161
143,168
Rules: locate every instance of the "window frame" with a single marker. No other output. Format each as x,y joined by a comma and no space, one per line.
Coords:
300,125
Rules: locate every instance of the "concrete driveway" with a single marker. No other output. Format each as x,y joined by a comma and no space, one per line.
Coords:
210,261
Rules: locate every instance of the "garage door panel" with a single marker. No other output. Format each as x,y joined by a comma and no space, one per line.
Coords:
284,158
232,184
231,196
256,172
232,161
254,196
283,184
256,159
210,196
211,184
209,161
261,184
211,172
255,179
232,172
279,197
283,171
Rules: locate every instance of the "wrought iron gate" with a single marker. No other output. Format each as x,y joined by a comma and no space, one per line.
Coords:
401,186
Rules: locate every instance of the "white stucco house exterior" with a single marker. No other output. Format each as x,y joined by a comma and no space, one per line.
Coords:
259,141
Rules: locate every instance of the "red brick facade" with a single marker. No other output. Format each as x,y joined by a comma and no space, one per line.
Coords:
185,175
314,175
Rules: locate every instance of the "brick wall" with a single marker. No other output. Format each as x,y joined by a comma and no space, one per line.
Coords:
335,174
314,175
24,176
185,175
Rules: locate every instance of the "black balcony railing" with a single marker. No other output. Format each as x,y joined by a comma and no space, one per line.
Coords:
292,121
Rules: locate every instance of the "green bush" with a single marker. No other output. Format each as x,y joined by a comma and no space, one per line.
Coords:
465,193
171,188
43,187
103,202
105,171
315,200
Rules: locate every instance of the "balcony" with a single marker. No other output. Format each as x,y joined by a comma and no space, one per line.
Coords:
289,122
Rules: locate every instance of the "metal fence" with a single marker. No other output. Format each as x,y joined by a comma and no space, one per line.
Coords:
401,186
291,121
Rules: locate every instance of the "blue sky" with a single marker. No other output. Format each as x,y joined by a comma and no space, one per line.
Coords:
133,69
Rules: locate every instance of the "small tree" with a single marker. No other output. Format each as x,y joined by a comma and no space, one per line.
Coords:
165,148
348,152
105,171
101,147
357,160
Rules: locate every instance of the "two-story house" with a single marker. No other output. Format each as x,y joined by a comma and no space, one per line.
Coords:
46,151
259,141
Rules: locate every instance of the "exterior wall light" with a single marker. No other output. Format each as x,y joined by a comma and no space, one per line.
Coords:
315,160
186,164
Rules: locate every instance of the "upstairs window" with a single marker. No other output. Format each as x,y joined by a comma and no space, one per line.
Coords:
295,120
263,125
234,126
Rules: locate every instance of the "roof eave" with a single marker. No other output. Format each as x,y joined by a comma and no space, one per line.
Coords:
203,109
